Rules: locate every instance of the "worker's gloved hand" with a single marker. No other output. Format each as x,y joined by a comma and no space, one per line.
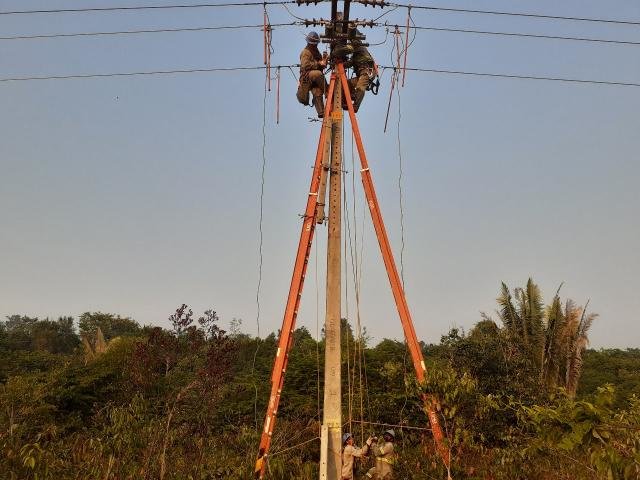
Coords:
369,441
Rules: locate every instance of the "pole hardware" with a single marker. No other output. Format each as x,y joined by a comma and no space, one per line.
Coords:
372,3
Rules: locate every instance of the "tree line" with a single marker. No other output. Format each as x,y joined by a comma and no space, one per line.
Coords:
520,396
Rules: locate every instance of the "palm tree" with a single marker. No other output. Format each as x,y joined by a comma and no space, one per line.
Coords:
553,353
524,323
553,337
577,343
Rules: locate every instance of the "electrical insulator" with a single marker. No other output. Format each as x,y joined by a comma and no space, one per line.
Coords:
373,3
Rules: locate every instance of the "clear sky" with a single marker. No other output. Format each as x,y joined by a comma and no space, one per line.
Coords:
133,195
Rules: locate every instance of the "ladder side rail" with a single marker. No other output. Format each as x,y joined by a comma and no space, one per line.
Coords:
392,272
295,293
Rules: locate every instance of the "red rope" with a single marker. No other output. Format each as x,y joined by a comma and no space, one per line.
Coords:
266,27
394,75
396,34
406,45
278,97
264,35
393,84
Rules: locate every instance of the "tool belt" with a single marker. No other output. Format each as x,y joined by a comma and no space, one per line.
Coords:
371,71
389,461
374,81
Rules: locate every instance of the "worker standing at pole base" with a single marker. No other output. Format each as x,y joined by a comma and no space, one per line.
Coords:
385,458
349,452
312,64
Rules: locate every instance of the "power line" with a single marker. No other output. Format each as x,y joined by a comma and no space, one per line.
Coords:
291,2
514,14
290,24
529,35
133,74
521,77
262,67
148,7
132,32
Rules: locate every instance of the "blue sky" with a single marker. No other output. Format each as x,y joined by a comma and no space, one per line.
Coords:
136,194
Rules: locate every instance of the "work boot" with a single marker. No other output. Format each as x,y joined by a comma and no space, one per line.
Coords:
319,104
357,100
303,95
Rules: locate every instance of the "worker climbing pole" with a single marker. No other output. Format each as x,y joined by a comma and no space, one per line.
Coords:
340,34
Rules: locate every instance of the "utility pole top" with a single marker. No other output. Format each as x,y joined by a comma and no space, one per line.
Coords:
340,29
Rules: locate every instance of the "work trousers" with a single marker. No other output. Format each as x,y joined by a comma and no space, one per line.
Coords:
315,82
359,83
374,475
358,87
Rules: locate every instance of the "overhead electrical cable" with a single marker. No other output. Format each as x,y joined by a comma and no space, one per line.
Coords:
293,2
148,7
134,32
515,14
262,67
300,23
521,77
133,74
526,35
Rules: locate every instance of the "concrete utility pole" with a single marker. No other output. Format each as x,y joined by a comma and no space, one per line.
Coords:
331,438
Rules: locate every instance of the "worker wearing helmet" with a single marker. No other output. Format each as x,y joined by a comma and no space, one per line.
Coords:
312,64
385,457
365,70
349,452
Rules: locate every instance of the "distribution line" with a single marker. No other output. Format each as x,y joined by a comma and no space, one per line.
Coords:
515,14
262,67
290,24
528,35
133,32
149,7
299,23
521,77
292,2
133,74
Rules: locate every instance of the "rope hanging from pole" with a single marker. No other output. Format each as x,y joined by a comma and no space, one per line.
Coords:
394,278
346,299
406,45
293,301
395,76
278,96
267,50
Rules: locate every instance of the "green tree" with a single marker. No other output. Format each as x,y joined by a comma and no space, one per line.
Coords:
110,324
32,334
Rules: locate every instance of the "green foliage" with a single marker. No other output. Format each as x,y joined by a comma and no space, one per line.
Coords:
32,334
600,442
188,402
111,325
463,411
617,367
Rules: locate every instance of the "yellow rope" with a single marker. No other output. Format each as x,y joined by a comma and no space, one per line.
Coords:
294,447
406,427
